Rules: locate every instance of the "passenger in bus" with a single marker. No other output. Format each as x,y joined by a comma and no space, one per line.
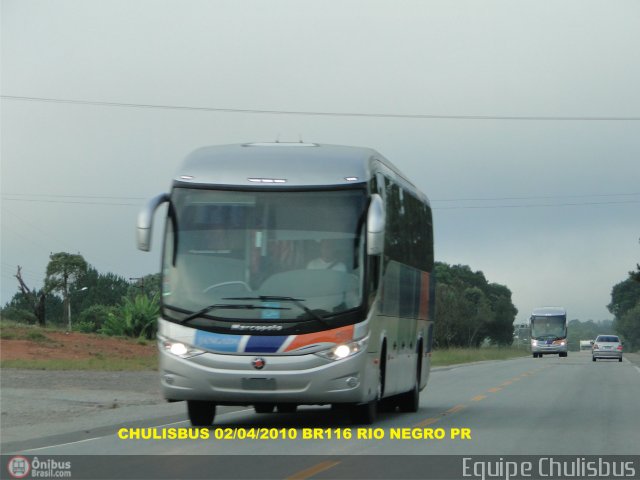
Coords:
328,259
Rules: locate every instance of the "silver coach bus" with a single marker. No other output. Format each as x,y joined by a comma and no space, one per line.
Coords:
549,331
293,274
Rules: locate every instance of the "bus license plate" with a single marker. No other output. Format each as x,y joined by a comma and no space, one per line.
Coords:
258,383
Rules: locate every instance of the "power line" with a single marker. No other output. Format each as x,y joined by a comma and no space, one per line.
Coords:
70,196
97,103
70,202
534,205
483,199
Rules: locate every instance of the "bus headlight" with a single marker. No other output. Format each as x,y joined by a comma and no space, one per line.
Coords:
344,350
178,349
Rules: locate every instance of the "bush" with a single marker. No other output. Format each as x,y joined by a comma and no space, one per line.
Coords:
93,318
18,315
114,325
86,326
134,318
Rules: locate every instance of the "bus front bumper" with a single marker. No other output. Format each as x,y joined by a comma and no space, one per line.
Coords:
552,348
300,379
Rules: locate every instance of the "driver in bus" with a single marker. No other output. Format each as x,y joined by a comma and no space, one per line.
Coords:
328,259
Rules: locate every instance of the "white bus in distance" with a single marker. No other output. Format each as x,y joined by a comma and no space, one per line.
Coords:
548,331
293,274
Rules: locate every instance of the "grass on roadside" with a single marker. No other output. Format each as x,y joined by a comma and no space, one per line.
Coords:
455,356
98,363
23,333
47,337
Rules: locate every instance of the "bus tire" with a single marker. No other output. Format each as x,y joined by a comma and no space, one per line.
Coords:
264,407
287,408
201,413
366,413
409,402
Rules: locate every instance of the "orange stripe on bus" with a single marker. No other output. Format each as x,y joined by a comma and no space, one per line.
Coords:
424,297
337,335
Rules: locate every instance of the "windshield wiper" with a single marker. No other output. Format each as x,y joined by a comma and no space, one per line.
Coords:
229,306
548,336
296,301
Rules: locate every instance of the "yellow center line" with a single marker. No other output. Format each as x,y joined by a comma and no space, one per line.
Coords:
477,398
517,379
506,383
455,409
426,422
310,472
494,389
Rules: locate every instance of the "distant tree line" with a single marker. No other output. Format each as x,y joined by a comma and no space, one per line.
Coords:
100,302
588,330
470,310
625,306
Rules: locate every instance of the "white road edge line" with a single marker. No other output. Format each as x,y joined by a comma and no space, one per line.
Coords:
230,414
626,360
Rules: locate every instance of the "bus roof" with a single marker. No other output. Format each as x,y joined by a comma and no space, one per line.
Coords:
548,312
282,165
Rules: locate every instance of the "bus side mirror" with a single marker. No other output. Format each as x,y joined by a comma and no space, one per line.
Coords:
376,220
145,221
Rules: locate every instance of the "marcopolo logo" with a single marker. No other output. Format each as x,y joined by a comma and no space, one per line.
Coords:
256,328
18,467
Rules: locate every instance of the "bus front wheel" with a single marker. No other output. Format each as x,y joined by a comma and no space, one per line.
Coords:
366,413
264,407
201,413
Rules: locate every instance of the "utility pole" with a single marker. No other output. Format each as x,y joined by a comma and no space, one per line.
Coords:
139,281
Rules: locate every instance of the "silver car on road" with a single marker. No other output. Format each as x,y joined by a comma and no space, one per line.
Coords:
607,346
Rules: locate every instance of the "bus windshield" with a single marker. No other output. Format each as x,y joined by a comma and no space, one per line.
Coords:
268,256
544,327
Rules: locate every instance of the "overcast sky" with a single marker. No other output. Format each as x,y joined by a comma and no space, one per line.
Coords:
519,119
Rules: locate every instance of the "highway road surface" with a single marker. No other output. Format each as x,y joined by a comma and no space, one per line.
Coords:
525,406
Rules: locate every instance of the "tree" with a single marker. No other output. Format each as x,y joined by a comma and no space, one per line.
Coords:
106,289
624,296
470,309
37,299
500,329
628,326
625,305
635,275
63,271
20,308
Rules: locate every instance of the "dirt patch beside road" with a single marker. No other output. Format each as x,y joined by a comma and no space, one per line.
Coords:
21,343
